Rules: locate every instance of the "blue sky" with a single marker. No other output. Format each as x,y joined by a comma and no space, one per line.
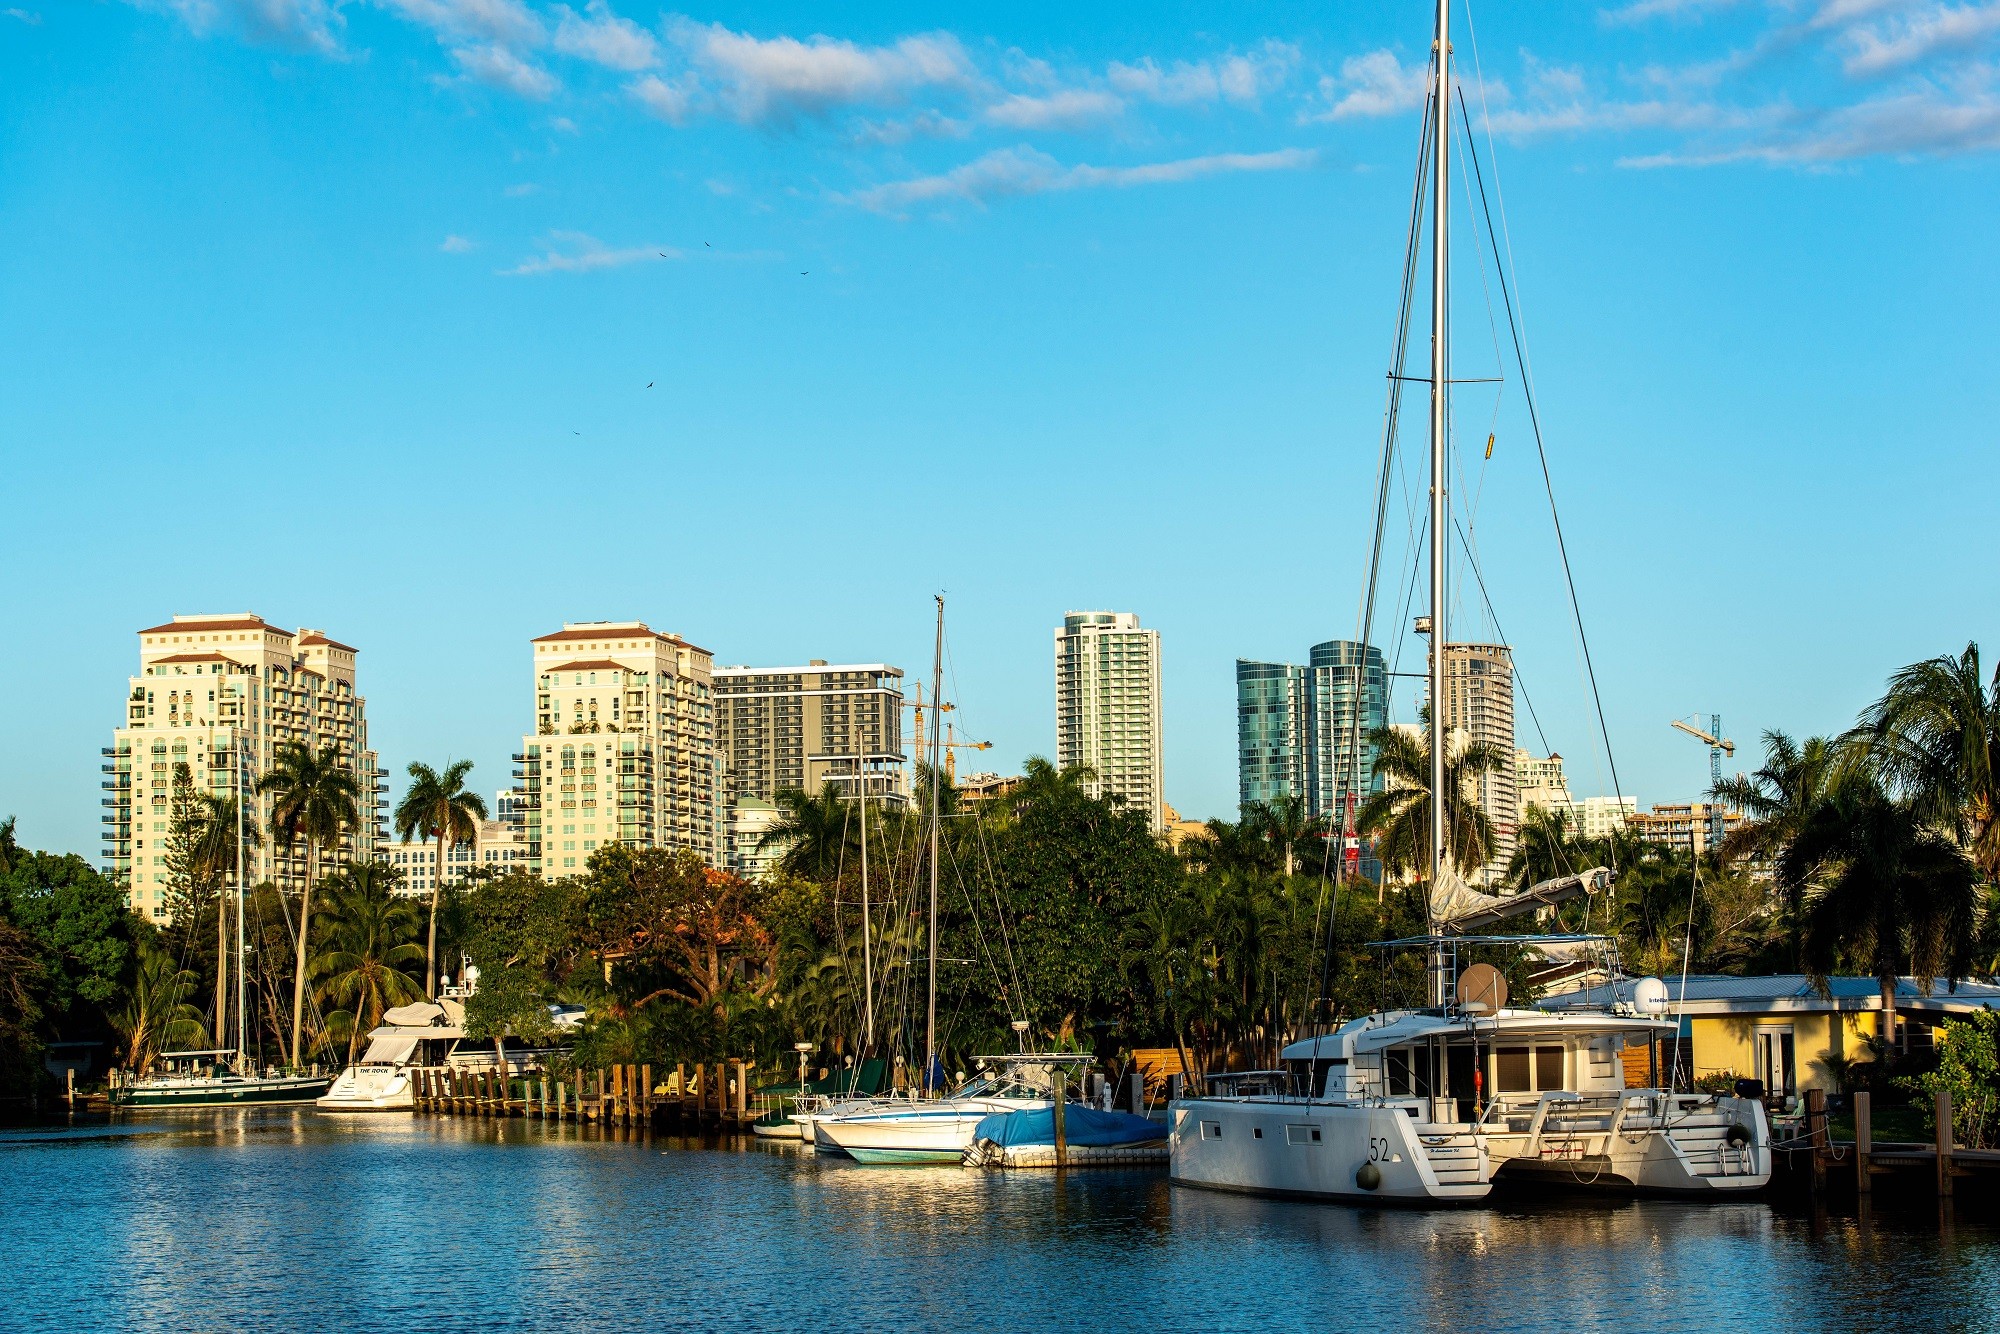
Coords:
344,313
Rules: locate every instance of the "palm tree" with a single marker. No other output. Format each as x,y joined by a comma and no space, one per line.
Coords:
1935,738
1400,814
1655,894
213,854
816,833
438,806
1547,847
1779,799
1285,823
157,1015
370,938
1224,847
1886,891
10,851
313,799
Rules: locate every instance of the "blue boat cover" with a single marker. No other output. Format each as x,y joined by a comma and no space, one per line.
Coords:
1083,1126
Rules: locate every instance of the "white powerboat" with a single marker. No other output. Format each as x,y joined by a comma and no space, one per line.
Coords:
411,1035
938,1130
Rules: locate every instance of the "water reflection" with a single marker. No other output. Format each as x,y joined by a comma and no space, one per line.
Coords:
287,1219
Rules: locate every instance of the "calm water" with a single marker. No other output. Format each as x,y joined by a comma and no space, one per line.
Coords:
284,1220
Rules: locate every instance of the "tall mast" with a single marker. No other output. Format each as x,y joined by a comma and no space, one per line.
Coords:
867,930
937,778
1440,386
242,872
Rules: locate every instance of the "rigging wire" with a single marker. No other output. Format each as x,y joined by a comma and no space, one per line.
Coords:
1541,450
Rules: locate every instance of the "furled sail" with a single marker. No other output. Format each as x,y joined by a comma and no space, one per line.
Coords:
1457,907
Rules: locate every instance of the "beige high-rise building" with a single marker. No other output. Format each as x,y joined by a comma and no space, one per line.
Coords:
1108,708
804,727
1540,782
1479,707
1685,826
220,694
623,748
1601,817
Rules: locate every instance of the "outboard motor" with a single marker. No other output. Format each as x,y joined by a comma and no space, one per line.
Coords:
1750,1088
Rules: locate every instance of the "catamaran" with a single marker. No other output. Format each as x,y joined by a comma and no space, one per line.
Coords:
1433,1104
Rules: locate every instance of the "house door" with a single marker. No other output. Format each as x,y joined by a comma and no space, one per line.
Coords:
1774,1060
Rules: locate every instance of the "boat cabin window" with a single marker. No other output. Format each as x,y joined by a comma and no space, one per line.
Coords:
1527,1069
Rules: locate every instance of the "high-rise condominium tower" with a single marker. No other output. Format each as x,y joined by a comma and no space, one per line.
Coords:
1479,708
219,694
1108,707
1297,730
803,727
623,748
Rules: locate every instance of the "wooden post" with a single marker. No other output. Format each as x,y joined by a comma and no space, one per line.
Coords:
1816,1132
1056,1114
1944,1143
579,1097
646,1094
1864,1141
680,1079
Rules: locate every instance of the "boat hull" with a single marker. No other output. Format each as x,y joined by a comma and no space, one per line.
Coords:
913,1133
190,1095
362,1088
1323,1151
1700,1147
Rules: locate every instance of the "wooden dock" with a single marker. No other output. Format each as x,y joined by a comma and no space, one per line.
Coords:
1828,1164
715,1097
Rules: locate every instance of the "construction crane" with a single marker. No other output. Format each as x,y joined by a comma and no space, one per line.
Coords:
1717,748
950,744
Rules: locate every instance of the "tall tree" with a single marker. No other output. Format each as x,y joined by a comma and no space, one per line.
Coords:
313,799
1935,737
1886,891
816,834
1400,815
1778,801
370,943
157,1016
10,851
1285,823
439,807
1547,846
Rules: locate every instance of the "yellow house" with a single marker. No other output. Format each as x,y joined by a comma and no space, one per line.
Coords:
1782,1032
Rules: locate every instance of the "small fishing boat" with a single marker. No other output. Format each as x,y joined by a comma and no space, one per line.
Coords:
1090,1137
939,1130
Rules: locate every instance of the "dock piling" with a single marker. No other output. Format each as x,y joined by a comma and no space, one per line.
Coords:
1864,1143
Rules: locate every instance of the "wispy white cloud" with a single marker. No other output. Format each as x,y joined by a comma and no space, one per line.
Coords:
1641,11
457,245
777,80
671,102
492,63
1238,77
600,36
579,252
923,125
507,23
1905,126
1067,109
31,19
1026,171
1933,31
1375,84
520,190
311,25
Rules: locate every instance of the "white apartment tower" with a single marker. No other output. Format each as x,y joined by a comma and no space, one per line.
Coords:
220,694
623,748
1108,707
1479,707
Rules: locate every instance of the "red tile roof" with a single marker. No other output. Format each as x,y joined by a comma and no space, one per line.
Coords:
199,627
192,657
614,630
314,637
593,665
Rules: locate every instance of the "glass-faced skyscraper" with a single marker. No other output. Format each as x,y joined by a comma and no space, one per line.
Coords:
1297,727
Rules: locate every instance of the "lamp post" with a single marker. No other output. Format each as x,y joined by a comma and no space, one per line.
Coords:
802,1048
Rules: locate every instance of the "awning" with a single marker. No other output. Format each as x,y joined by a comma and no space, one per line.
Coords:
419,1015
389,1050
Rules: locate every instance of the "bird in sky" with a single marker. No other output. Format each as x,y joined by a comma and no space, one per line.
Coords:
649,384
710,247
804,272
663,254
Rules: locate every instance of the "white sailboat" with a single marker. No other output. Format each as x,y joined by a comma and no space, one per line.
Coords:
1435,1104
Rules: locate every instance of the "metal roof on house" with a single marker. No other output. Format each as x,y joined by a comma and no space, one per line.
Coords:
1715,994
